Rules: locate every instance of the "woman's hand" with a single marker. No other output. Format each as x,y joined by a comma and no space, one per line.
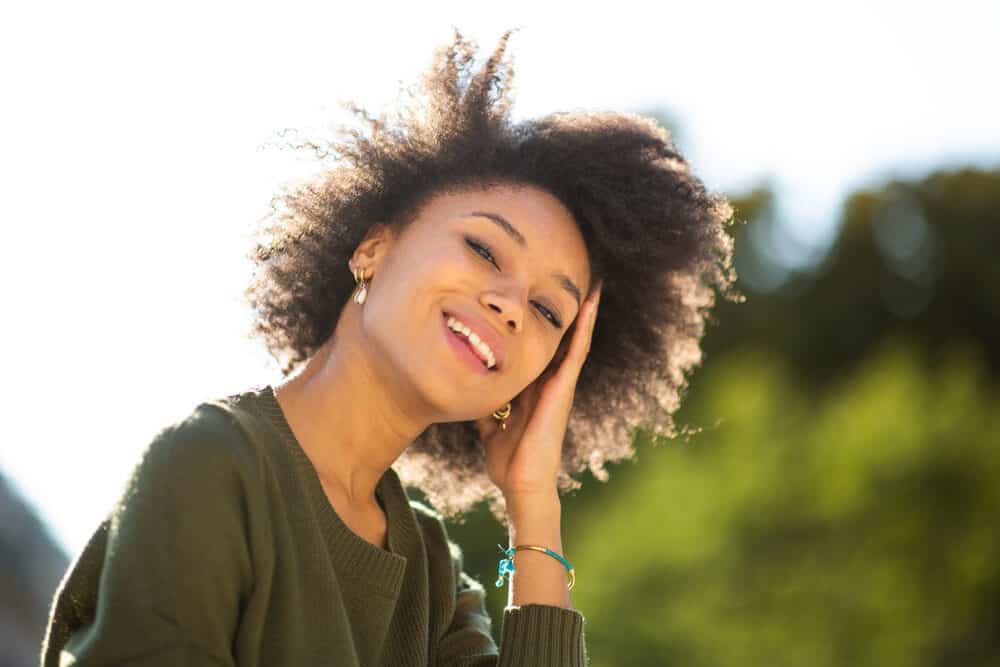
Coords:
524,459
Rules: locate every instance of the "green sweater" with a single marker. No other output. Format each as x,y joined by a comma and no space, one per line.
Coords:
224,550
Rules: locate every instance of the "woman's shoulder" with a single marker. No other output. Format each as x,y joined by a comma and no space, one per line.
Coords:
428,519
425,512
444,551
214,436
436,532
187,513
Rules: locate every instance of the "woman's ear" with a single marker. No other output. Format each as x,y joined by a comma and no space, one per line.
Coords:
376,243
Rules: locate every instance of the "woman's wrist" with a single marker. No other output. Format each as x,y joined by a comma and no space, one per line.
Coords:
536,519
533,507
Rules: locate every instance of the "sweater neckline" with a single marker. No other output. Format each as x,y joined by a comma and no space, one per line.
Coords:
352,554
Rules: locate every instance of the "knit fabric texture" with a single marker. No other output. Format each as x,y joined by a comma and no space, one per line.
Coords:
223,549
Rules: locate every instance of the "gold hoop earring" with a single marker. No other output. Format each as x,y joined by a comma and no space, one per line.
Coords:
362,292
501,416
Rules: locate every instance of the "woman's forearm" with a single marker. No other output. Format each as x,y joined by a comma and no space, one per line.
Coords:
538,578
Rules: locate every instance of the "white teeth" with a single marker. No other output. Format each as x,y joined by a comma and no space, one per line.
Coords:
477,343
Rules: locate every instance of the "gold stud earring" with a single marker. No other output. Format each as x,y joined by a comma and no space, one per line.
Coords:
362,292
501,416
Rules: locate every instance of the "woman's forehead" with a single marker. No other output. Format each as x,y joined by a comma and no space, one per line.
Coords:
532,218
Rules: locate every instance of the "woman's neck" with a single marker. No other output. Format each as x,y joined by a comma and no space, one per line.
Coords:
345,417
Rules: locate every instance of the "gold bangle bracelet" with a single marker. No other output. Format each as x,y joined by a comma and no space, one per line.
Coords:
507,564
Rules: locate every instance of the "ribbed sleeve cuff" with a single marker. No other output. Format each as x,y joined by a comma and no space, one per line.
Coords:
541,635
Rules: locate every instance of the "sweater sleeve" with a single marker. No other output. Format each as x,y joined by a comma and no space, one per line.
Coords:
532,635
162,580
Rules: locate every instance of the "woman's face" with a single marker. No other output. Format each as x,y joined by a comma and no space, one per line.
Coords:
507,262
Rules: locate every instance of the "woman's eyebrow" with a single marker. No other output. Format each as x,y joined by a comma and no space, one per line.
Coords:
518,237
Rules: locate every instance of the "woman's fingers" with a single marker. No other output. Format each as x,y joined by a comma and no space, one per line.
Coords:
580,346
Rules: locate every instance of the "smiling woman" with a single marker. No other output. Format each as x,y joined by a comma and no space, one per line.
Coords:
272,526
589,196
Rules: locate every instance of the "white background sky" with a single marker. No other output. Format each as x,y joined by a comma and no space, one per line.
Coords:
131,165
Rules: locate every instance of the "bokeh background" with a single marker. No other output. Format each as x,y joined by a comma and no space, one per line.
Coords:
838,501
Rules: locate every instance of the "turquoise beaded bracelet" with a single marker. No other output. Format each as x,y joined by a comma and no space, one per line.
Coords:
506,566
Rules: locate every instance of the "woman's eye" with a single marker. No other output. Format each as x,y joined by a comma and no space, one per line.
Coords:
552,318
482,250
485,252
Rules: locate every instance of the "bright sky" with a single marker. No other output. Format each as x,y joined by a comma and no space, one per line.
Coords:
132,168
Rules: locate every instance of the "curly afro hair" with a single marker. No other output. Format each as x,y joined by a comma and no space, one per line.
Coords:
654,235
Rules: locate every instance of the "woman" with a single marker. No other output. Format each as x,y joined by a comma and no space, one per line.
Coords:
272,527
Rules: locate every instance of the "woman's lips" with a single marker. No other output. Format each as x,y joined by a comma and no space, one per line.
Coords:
461,346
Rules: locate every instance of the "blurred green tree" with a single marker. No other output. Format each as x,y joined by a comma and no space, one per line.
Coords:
854,527
912,258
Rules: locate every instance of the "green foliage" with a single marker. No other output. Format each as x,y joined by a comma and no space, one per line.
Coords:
855,528
917,259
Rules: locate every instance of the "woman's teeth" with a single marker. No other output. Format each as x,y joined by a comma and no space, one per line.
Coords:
484,351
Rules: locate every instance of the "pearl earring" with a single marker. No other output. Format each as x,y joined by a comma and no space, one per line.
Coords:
362,292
